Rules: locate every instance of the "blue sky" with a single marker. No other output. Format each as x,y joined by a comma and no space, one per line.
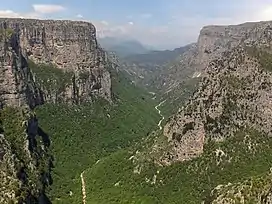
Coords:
159,23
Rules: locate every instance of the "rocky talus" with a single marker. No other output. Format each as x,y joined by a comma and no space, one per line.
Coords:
235,91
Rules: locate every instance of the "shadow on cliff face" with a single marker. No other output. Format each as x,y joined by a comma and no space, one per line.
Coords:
21,70
33,130
42,199
45,137
38,153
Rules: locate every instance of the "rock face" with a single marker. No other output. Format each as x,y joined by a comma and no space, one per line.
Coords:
259,191
235,91
42,61
212,42
17,87
68,46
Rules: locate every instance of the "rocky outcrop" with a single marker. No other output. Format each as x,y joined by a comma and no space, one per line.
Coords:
254,190
211,43
235,91
42,61
17,87
68,46
215,40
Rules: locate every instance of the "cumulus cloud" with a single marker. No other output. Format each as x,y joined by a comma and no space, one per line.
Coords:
47,8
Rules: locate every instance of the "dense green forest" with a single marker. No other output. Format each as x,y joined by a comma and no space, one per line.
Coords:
112,144
114,180
83,134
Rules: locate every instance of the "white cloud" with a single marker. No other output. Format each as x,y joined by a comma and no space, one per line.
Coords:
13,14
38,11
9,14
182,28
79,16
47,8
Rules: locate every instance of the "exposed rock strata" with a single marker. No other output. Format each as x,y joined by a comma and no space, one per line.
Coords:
235,91
67,45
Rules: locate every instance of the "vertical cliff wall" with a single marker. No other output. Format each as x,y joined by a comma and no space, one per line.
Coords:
235,91
17,87
42,61
68,46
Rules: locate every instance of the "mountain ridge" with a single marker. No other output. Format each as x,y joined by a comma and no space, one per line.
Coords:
123,47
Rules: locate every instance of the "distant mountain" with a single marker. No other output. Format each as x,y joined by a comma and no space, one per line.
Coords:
157,57
121,47
151,69
164,72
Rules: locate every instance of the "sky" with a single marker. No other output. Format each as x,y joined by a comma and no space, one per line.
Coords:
163,24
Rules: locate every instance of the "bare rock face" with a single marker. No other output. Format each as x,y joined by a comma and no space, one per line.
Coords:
68,46
212,42
235,91
17,87
215,40
42,61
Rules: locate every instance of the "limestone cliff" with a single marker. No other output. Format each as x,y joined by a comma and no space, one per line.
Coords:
68,46
17,87
211,43
235,91
42,61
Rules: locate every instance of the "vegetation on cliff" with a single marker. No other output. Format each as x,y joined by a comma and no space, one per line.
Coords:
81,135
115,179
25,169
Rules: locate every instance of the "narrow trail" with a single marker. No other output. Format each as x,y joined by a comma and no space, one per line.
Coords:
82,174
83,188
159,111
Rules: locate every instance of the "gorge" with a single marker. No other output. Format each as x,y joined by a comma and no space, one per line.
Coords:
78,124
